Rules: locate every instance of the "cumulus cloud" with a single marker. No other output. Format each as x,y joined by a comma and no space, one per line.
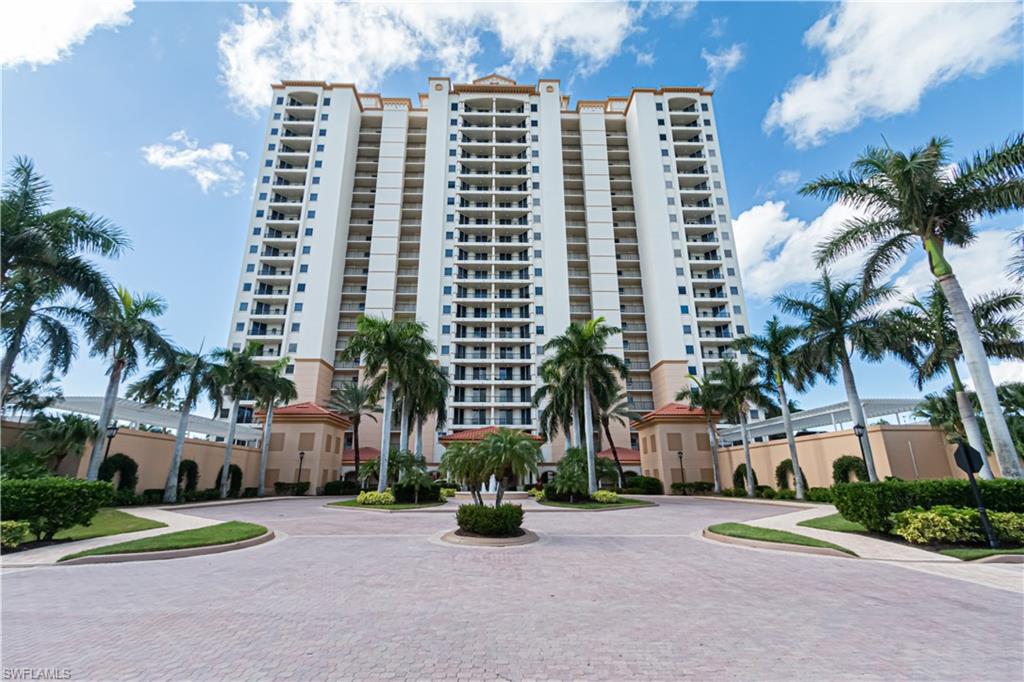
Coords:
38,33
717,28
645,58
363,42
881,58
722,63
1003,372
212,167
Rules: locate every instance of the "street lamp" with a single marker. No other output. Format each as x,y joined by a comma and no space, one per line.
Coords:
111,432
859,431
682,478
302,455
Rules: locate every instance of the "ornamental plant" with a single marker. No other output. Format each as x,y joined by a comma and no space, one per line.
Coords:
605,497
12,533
369,497
52,504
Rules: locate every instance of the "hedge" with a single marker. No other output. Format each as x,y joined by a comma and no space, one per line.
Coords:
643,485
944,524
13,533
492,522
693,488
784,471
405,493
120,463
551,493
872,504
341,487
52,504
822,495
188,471
285,488
234,479
843,466
739,477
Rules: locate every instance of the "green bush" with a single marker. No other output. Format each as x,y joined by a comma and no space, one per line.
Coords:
188,471
153,495
646,485
53,503
405,493
734,492
785,494
296,488
843,466
200,495
872,504
22,463
120,463
552,493
341,487
234,479
679,488
13,533
250,492
820,495
767,493
784,471
693,488
739,477
492,522
605,497
372,497
941,524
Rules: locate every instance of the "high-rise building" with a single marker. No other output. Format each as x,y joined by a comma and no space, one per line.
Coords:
496,214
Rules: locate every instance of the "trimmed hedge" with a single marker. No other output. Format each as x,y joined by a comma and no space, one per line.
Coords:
843,466
405,493
234,479
52,504
124,464
739,477
341,487
820,495
492,522
188,471
784,471
643,485
551,493
872,504
693,488
296,489
200,495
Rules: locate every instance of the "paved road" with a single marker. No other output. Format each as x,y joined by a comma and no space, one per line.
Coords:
630,594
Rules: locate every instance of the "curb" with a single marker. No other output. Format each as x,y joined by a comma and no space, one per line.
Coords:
381,509
999,559
169,553
756,500
781,546
528,537
609,508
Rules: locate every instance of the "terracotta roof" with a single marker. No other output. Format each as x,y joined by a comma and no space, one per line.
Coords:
308,410
348,455
670,411
626,455
476,435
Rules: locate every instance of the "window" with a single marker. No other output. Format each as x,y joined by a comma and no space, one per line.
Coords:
240,326
451,152
680,272
662,136
319,147
292,347
725,236
718,185
536,169
452,137
534,138
253,249
535,154
236,347
710,137
682,290
689,350
451,169
308,232
446,309
687,329
247,286
447,272
740,329
305,250
754,414
533,124
290,369
243,306
447,290
277,116
533,107
450,217
273,131
659,106
300,286
661,121
265,179
671,201
297,307
449,235
447,253
280,100
318,164
712,153
736,310
451,201
303,268
259,213
667,169
734,291
295,326
537,272
263,196
323,132
684,309
446,329
444,350
707,121
323,117
668,184
728,253
455,106
271,147
268,163
310,214
451,184
256,231
540,329
316,179
536,185
454,121
664,152
678,253
537,253
536,218
719,201
703,106
536,235
327,101
731,272
673,219
314,196
692,371
714,168
250,267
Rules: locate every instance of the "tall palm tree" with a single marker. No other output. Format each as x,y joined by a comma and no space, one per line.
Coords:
354,401
463,462
270,388
942,410
59,436
418,376
837,319
388,349
772,353
1016,267
580,353
45,257
927,341
507,453
196,373
556,401
704,395
238,378
612,405
429,399
123,333
919,198
739,387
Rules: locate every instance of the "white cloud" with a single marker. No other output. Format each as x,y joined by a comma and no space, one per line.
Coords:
363,42
720,64
1003,372
212,167
881,58
787,178
645,59
717,29
43,32
981,267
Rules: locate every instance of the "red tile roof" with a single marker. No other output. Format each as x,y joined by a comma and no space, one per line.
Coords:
476,435
671,410
348,455
310,410
626,455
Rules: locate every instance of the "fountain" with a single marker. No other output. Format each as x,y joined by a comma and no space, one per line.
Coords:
489,491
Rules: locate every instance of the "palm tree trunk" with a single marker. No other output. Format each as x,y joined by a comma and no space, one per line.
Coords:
615,452
96,458
788,423
575,426
355,448
403,434
970,421
265,451
385,435
857,415
171,485
499,493
984,387
419,437
11,354
228,447
588,423
746,453
713,439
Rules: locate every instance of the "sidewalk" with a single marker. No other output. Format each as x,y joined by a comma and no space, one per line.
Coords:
44,556
1001,576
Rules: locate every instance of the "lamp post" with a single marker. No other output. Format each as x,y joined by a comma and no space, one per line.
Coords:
682,477
859,431
302,456
111,432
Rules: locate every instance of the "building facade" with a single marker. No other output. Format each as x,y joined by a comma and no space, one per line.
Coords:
495,214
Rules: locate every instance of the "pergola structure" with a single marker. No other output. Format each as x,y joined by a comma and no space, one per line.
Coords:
834,415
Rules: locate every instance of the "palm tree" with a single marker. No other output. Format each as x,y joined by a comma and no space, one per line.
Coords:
927,341
772,353
270,388
60,436
197,373
942,410
613,406
354,401
1016,267
508,453
123,333
558,400
738,387
429,399
237,378
920,198
45,257
463,462
389,350
580,353
705,396
28,396
839,318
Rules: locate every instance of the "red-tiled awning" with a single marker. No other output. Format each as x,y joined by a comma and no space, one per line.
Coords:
476,435
348,455
626,455
671,411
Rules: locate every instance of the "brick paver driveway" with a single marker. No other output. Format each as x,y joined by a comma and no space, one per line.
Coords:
632,594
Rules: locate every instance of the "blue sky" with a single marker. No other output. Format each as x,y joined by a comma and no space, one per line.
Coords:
151,115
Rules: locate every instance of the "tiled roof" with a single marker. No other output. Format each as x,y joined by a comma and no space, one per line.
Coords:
476,435
310,410
671,410
348,455
626,455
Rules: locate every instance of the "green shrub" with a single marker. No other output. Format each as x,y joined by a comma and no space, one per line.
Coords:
699,487
820,495
766,492
53,503
200,495
551,492
605,497
341,487
450,492
286,488
491,522
250,492
22,463
372,497
1007,526
646,485
734,492
405,493
784,471
739,477
941,524
153,495
13,533
124,464
843,466
872,504
234,479
678,488
785,494
188,471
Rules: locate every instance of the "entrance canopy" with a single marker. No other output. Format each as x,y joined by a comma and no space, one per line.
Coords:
132,411
830,415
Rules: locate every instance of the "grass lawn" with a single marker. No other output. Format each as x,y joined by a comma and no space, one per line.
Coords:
742,530
600,505
385,507
971,553
108,522
834,522
220,534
